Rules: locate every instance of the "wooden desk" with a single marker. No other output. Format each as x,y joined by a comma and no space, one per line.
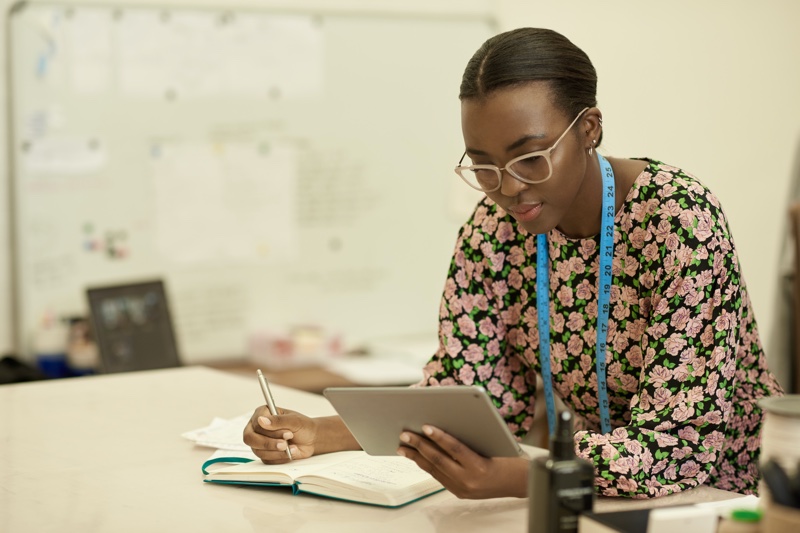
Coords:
104,453
308,378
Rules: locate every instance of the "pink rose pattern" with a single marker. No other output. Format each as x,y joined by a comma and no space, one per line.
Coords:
685,363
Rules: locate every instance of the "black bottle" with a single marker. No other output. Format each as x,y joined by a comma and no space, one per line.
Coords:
561,486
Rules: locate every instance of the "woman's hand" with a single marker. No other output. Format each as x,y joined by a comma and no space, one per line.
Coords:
270,435
462,471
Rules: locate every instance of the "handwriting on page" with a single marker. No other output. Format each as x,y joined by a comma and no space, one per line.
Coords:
371,472
300,467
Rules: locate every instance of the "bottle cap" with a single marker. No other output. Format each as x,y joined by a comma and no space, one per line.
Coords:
562,446
746,515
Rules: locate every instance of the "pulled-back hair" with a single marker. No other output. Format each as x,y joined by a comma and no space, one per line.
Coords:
524,55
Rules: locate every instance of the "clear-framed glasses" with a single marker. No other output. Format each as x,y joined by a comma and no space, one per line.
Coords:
533,167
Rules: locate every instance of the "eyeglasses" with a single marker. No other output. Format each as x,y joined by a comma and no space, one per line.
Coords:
533,167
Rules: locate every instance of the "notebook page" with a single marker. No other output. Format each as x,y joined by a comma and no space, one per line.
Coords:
255,470
375,473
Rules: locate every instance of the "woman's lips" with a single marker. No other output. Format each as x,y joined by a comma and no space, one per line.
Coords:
526,212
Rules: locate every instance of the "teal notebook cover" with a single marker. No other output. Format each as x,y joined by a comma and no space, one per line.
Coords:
297,487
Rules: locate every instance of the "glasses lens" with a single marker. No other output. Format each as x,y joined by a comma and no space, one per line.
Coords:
533,169
484,179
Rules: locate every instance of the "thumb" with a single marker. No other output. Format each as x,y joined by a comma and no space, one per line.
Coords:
286,419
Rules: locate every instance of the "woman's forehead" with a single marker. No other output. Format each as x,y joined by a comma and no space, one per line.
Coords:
535,96
510,113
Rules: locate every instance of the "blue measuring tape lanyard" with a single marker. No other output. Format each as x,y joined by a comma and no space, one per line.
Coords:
604,298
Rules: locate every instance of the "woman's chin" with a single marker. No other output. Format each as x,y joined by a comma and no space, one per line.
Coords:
534,227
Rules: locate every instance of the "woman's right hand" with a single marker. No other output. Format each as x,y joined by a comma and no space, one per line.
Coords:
269,435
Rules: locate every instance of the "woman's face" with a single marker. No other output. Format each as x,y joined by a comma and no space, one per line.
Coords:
518,120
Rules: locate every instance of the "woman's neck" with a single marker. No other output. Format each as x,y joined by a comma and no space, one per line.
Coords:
583,217
586,211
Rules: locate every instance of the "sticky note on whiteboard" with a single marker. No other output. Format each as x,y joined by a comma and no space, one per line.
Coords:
66,156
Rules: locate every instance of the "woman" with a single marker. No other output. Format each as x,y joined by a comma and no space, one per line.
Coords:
640,266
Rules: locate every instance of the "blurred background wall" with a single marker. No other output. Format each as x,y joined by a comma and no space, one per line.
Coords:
710,86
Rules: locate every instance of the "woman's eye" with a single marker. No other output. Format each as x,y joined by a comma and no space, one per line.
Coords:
533,162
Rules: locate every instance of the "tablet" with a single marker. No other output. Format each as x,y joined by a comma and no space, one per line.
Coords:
377,415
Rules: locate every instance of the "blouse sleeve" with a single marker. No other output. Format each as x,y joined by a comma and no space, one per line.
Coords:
684,399
479,337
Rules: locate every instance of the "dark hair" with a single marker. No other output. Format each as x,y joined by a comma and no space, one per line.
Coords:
533,54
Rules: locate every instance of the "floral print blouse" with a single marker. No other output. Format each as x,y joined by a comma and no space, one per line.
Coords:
685,366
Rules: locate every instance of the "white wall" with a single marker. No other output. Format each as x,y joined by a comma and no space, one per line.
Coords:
709,86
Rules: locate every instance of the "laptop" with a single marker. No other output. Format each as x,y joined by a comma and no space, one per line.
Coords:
133,327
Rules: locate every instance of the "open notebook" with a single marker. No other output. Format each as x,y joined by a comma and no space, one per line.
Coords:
353,476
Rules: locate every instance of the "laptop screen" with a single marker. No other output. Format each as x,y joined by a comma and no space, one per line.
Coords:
133,327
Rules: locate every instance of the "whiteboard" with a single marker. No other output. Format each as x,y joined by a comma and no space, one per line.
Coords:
274,169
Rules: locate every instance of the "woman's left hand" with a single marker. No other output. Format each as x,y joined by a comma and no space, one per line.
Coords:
462,471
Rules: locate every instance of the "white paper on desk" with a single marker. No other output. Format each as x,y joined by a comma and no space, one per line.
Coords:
698,518
688,519
725,507
376,371
223,434
391,361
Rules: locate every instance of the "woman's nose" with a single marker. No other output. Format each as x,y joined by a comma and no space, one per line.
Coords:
510,185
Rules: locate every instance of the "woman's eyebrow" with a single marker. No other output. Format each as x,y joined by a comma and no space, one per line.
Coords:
522,140
516,144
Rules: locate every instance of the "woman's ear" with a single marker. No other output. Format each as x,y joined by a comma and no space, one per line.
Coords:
591,128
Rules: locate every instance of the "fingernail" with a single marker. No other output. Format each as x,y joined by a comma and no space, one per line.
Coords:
288,435
281,445
401,452
263,421
427,430
405,437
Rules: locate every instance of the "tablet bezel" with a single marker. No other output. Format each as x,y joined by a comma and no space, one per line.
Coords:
377,415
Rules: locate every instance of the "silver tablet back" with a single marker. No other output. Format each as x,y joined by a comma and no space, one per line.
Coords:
377,415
